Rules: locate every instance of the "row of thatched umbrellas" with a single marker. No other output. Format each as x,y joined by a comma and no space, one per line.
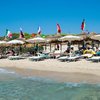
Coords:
39,39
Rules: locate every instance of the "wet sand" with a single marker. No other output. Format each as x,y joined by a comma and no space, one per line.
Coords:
80,71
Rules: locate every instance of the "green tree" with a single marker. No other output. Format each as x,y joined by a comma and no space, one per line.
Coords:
27,35
15,35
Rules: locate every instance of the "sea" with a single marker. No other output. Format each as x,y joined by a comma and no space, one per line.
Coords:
17,87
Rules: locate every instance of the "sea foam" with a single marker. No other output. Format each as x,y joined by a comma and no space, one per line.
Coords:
6,71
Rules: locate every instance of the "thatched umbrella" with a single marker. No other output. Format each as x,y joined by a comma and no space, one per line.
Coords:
53,39
96,37
3,42
37,40
15,42
2,46
70,38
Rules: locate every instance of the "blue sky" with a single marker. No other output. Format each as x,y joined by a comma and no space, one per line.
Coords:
29,14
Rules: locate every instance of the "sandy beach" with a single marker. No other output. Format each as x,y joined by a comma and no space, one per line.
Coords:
79,71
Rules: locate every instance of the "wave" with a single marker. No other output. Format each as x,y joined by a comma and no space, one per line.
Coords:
66,84
6,71
39,79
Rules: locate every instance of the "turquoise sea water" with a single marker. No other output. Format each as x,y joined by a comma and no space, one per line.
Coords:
15,87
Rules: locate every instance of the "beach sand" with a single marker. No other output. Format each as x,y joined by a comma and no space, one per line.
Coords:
79,71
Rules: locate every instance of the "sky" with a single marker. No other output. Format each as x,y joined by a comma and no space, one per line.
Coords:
30,14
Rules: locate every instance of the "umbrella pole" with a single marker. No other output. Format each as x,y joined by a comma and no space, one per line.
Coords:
70,48
92,44
33,52
45,47
50,47
98,43
38,47
20,49
61,46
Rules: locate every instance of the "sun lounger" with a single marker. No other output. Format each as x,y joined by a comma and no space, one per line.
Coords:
69,58
73,58
3,56
15,57
64,58
36,58
86,55
95,59
45,55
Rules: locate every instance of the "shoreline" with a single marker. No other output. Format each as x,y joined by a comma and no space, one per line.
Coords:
78,72
73,77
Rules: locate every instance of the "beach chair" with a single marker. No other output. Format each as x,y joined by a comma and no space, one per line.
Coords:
3,56
40,56
86,55
45,55
64,58
73,58
15,57
36,58
94,59
69,58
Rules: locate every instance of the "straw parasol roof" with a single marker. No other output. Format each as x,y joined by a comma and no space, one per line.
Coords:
3,42
53,38
36,40
96,37
70,38
15,42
